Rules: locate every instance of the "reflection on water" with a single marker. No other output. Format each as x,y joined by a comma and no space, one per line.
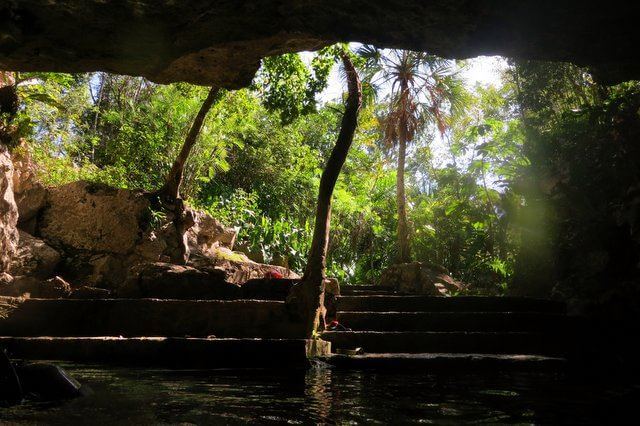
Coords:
138,396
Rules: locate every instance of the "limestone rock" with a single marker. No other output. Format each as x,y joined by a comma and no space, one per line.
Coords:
30,203
93,217
104,232
34,257
168,281
8,212
29,193
207,234
420,278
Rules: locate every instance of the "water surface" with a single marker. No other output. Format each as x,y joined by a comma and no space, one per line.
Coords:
321,395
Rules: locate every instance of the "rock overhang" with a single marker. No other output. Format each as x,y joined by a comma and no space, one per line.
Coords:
222,42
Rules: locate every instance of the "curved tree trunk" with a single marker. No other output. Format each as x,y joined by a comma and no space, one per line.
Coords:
309,294
171,189
169,195
404,253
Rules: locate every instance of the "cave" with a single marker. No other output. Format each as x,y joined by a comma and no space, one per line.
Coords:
178,316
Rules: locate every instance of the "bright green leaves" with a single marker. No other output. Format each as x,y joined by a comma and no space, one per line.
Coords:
287,85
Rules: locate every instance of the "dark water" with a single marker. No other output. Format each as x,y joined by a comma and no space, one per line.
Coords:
139,396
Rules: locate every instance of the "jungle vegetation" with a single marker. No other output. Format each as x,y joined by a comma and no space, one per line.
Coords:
531,180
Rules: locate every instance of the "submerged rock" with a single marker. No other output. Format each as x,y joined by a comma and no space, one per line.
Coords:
47,382
36,380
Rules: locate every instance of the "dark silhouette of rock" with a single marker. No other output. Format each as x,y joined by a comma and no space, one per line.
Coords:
268,288
87,292
169,281
420,278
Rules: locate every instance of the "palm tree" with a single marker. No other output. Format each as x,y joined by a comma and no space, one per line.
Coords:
422,89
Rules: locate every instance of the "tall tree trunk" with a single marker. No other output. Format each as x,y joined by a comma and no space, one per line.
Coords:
404,254
171,189
308,296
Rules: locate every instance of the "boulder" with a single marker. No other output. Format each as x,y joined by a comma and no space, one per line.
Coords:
94,217
8,212
34,257
420,278
238,266
53,288
208,233
169,281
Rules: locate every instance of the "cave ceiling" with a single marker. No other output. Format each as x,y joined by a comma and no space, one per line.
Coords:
221,42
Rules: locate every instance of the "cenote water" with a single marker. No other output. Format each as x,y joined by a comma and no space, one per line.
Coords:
144,396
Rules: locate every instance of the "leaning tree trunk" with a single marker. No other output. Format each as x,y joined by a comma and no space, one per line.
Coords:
171,189
309,294
404,254
168,197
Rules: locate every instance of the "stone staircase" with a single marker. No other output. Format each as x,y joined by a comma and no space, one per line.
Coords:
163,333
395,330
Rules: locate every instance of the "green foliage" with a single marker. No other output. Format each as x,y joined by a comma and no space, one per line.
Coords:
501,181
269,240
288,86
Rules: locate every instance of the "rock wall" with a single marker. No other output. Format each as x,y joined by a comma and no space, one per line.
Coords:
93,217
98,236
8,212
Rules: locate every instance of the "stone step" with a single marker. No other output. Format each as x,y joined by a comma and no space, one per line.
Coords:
367,287
441,362
449,342
453,321
187,353
358,292
149,317
447,304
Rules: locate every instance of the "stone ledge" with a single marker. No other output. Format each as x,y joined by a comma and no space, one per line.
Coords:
438,362
149,317
169,352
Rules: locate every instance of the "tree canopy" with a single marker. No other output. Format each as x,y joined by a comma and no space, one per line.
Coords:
500,181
